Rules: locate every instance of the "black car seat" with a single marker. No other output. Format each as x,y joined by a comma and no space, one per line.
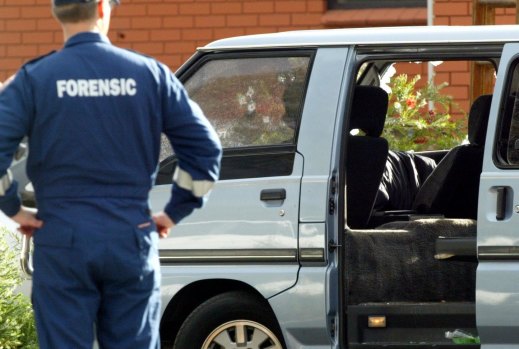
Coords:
366,154
452,188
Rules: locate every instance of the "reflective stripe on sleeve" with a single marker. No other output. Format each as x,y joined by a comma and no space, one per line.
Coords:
5,182
198,187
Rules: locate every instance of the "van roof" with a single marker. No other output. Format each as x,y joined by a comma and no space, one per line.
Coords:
372,36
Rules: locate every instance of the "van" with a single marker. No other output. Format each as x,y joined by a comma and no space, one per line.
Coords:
332,225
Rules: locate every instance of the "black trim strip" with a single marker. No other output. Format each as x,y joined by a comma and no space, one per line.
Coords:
228,256
258,163
498,253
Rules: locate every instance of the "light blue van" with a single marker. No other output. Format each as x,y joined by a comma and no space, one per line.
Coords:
321,235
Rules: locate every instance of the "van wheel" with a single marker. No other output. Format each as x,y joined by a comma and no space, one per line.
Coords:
230,320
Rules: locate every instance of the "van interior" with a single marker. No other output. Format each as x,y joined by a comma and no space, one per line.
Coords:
409,262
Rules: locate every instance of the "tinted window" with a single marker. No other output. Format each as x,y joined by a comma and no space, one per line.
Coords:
251,101
254,104
508,141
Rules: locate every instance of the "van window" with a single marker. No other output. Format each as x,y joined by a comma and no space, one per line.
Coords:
424,113
427,115
254,103
507,148
251,101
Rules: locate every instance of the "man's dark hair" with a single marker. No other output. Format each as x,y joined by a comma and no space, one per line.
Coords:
74,13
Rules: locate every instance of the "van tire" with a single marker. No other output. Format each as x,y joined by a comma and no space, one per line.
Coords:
228,312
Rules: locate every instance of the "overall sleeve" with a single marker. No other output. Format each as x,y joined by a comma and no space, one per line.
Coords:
15,114
196,145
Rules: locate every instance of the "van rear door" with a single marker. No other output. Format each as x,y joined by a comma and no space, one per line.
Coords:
497,285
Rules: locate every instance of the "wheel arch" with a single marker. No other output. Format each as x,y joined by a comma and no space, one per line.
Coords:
194,294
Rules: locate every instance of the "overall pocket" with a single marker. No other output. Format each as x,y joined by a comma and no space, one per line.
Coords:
54,234
147,240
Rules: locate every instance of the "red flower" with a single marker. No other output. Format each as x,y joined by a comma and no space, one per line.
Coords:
430,118
420,140
411,103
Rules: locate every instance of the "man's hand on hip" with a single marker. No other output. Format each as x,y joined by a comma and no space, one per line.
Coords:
164,224
27,220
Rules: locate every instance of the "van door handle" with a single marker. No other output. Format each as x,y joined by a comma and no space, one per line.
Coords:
273,194
501,203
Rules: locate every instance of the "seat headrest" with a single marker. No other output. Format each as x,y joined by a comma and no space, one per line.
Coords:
369,109
478,119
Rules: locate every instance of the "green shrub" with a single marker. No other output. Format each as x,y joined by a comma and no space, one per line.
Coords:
17,328
412,125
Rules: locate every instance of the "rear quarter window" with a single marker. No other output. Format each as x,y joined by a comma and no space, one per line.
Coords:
507,147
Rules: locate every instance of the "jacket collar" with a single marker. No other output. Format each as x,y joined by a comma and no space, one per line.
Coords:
86,37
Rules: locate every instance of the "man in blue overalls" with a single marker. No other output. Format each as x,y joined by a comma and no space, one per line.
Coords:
94,115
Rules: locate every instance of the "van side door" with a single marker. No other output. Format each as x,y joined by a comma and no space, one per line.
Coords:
497,285
254,102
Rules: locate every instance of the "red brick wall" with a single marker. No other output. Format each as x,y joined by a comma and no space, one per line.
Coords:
459,12
453,12
172,29
169,30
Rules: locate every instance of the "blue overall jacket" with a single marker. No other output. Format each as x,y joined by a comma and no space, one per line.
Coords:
93,114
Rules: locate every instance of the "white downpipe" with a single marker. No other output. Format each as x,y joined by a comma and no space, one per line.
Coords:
430,5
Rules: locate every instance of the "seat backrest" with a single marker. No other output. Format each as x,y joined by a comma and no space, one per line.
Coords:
366,154
452,188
